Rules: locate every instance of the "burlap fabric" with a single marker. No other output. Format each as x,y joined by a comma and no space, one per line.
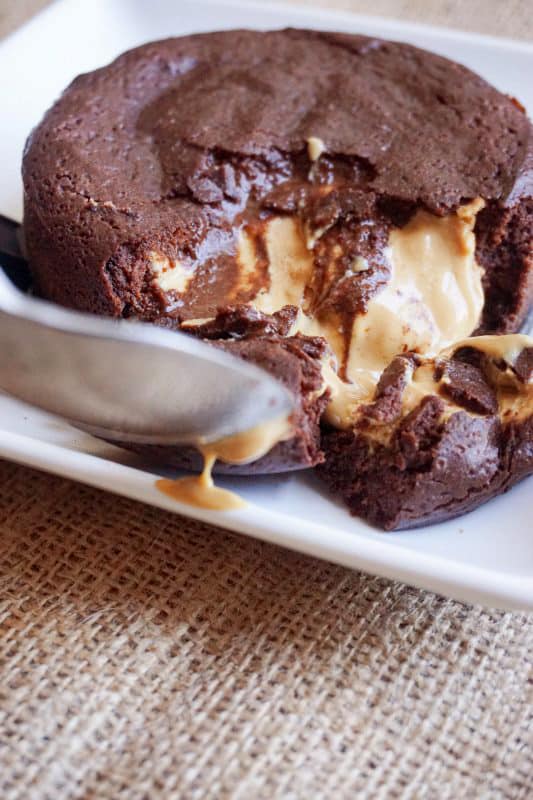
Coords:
144,656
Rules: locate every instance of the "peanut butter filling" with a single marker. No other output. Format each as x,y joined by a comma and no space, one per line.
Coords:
506,347
515,398
290,264
430,304
433,297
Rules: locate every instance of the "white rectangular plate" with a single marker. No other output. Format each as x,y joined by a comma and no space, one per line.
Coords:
485,556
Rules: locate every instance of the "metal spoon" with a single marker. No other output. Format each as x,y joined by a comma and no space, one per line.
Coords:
128,381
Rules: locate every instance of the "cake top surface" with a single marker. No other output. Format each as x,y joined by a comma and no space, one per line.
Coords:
162,122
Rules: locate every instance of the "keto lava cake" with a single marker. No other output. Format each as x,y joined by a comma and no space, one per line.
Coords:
338,209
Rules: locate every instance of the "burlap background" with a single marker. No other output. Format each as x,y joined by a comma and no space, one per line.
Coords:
144,656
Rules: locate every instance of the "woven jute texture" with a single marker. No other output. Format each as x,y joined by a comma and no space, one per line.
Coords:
144,656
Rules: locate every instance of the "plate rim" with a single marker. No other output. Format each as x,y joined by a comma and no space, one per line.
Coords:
467,583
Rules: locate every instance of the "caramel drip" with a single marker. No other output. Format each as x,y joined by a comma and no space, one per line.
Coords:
241,448
200,490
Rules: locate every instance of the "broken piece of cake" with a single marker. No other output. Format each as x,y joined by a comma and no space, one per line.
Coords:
441,435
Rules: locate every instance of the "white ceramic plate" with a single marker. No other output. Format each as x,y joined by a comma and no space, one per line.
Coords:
486,556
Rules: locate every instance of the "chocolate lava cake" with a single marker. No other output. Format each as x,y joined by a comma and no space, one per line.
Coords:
338,209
